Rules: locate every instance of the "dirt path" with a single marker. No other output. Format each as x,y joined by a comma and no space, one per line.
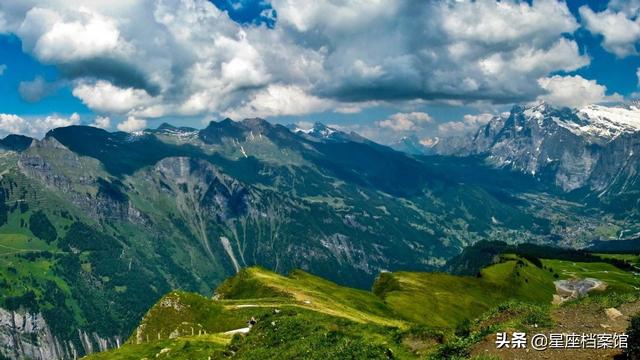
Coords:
243,330
589,319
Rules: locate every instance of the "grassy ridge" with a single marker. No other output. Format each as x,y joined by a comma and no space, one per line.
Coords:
306,290
189,314
443,300
407,314
188,347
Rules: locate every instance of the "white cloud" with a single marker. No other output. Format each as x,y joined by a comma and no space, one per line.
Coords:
3,68
492,22
621,33
35,127
574,91
402,122
469,123
150,58
438,50
562,55
279,100
103,96
132,124
102,122
52,122
11,124
56,37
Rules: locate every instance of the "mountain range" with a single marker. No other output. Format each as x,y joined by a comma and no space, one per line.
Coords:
591,152
594,147
97,226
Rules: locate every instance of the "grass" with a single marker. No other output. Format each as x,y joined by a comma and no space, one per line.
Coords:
407,315
617,280
188,347
291,333
510,315
312,292
444,300
188,314
19,243
303,334
440,300
317,318
630,258
605,300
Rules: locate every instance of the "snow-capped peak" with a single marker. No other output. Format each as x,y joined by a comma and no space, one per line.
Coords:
606,121
318,130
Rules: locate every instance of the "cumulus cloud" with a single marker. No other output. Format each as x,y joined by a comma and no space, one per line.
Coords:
440,50
491,22
102,122
11,124
3,68
56,37
469,123
54,121
574,91
279,100
150,58
403,122
620,29
132,124
530,59
103,96
35,127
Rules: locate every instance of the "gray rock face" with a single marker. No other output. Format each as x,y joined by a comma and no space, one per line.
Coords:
28,336
65,172
595,147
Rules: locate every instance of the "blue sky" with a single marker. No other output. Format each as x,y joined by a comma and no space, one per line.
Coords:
617,74
312,70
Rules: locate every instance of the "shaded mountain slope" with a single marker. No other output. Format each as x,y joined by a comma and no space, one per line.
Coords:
92,219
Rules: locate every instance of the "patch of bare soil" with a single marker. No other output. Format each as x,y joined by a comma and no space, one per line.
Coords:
586,318
419,345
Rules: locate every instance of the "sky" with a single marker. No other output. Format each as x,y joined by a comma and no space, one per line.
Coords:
385,69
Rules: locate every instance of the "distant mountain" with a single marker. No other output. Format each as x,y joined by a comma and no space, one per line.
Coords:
322,132
593,151
96,226
16,142
411,145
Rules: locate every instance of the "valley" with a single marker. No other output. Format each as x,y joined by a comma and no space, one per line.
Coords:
97,226
299,179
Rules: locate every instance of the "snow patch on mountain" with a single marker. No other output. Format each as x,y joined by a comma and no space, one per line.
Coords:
321,132
595,146
607,122
318,130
